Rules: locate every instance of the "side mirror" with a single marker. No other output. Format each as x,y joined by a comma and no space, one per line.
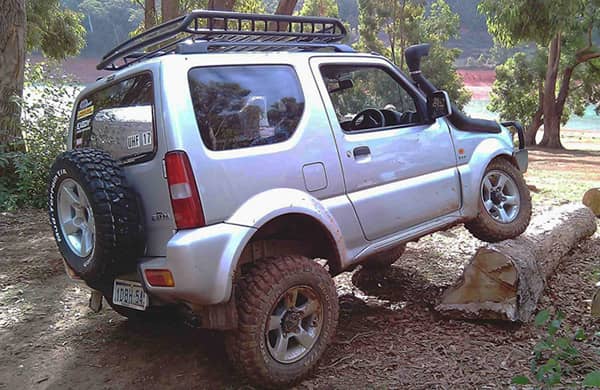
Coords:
438,105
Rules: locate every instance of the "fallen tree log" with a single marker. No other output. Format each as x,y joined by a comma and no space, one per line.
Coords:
505,280
591,199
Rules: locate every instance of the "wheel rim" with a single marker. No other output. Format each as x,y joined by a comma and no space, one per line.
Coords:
76,218
294,324
500,196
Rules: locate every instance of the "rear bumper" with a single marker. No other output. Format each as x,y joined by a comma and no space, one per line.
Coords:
202,261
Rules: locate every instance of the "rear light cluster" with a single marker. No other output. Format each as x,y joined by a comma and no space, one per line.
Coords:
160,278
185,199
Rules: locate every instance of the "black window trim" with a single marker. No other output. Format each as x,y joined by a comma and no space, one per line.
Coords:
392,71
134,158
300,88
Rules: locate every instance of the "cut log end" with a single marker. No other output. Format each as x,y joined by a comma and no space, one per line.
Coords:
592,200
505,280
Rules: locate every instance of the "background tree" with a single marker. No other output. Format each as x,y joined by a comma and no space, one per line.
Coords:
170,9
390,26
107,22
564,33
319,8
12,61
517,91
42,25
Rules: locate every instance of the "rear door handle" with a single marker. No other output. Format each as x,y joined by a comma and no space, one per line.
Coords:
361,151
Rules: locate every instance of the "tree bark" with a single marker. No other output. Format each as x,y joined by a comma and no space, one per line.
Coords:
537,119
149,14
12,67
169,9
592,200
286,7
506,280
551,138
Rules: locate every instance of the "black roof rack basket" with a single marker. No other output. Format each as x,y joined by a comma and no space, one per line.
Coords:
228,31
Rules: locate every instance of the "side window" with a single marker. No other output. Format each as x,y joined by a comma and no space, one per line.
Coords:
243,106
368,97
118,118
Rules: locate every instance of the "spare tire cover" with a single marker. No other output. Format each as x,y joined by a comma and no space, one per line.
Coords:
94,215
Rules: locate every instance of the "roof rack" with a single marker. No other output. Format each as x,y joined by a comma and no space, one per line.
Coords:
204,31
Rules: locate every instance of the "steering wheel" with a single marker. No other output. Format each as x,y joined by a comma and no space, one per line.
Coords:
368,119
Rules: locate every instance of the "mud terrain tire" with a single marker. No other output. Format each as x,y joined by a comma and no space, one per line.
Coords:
89,201
488,228
267,288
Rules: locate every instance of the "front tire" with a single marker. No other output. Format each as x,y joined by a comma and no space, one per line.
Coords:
288,313
504,203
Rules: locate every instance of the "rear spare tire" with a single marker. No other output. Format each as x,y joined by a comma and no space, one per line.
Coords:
93,214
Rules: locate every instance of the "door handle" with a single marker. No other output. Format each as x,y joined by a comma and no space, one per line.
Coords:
361,151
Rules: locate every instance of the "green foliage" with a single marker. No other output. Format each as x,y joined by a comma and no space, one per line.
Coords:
319,8
515,92
250,6
54,30
391,26
107,22
522,21
592,379
572,25
46,108
555,356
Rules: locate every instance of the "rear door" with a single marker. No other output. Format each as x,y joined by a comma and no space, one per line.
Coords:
399,171
120,118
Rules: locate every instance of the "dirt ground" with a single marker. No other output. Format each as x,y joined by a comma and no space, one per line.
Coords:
388,334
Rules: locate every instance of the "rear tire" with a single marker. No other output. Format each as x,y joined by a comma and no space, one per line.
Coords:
504,203
288,313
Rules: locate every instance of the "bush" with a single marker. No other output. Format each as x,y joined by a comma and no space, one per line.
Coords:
46,109
556,358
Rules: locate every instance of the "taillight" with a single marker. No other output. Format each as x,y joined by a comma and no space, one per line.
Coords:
185,199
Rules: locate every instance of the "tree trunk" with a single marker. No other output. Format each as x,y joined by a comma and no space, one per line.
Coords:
12,67
533,128
592,200
169,9
286,7
551,138
506,280
149,14
221,5
537,120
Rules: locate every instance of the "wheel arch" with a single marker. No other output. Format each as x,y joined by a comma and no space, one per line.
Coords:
289,219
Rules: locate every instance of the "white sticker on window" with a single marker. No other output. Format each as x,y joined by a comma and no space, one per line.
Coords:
146,138
133,141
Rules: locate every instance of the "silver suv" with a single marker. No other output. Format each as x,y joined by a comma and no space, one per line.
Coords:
233,163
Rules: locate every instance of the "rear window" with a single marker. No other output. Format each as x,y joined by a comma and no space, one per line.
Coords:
243,106
118,119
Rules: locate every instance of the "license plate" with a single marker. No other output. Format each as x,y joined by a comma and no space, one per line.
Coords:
129,294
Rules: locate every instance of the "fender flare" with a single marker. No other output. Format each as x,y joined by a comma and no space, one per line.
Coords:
266,206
